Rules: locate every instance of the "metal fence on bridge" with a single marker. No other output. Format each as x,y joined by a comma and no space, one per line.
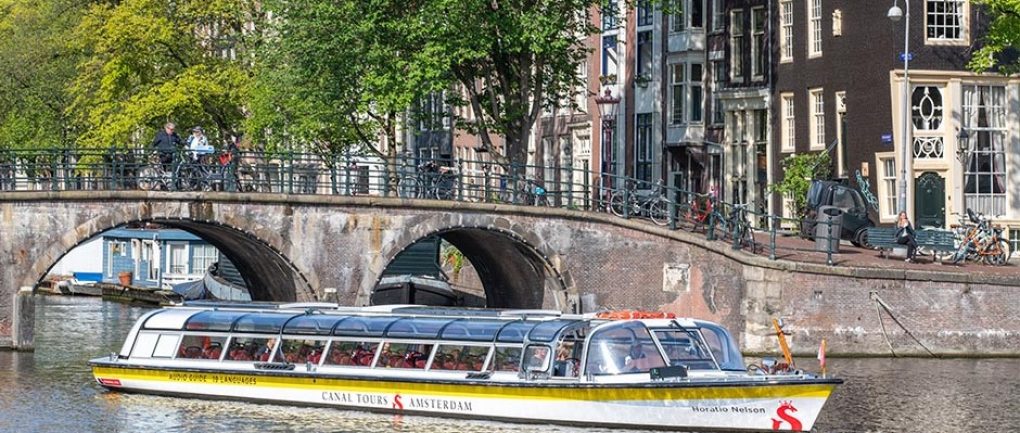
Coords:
746,228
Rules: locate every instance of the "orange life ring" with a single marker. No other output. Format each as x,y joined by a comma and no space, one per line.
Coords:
634,314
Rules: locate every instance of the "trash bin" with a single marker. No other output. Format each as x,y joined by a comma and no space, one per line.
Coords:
828,216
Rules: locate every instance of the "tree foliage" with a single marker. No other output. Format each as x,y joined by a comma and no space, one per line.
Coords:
798,171
998,50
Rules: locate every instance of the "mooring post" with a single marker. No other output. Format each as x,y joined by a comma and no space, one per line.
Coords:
23,323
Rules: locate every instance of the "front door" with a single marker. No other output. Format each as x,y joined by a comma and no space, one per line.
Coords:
930,200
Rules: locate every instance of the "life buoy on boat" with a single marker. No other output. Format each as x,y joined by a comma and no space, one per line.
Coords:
634,314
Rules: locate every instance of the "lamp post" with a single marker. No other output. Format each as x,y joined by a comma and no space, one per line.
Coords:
895,14
963,154
608,107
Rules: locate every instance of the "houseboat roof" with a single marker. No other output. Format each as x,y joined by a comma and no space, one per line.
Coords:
148,234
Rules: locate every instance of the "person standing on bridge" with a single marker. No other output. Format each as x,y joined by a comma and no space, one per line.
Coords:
166,143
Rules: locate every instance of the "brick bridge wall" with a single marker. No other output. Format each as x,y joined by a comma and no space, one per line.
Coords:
535,257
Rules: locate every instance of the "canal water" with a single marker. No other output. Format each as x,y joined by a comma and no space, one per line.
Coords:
52,390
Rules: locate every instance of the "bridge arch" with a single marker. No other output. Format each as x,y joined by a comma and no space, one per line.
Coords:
268,273
516,267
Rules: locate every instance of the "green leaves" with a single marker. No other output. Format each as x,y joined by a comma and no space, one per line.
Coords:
997,51
798,171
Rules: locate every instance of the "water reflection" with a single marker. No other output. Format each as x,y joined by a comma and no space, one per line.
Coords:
52,391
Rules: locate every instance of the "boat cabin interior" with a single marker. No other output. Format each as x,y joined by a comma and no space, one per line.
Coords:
527,345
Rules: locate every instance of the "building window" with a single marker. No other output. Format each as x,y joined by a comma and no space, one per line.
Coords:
789,131
609,55
737,45
151,258
786,31
718,78
926,116
944,20
697,8
679,18
644,54
679,89
757,43
609,15
887,186
644,12
687,14
643,153
817,100
1014,239
204,255
814,28
718,15
697,95
581,92
984,118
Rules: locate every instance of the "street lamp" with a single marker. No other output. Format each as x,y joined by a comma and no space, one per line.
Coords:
608,107
895,14
962,146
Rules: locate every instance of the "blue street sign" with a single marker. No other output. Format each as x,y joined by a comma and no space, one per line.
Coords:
886,138
909,57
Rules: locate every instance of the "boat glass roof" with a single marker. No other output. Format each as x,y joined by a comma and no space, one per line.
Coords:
515,332
312,324
213,320
417,328
262,322
472,330
547,330
364,326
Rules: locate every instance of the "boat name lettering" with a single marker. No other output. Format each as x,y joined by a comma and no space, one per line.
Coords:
441,404
350,397
730,409
213,378
189,377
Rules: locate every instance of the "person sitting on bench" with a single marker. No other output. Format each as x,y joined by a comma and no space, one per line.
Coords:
905,235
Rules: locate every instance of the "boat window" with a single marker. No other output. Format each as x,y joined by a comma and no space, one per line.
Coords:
416,328
459,357
472,330
685,348
536,358
624,348
352,353
218,321
547,330
297,351
144,344
201,347
167,346
723,346
515,332
262,323
568,358
363,326
506,358
404,355
250,349
312,324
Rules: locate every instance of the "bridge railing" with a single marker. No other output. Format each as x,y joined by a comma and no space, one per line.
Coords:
406,176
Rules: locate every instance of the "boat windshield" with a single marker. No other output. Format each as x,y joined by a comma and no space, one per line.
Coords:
686,347
624,348
723,346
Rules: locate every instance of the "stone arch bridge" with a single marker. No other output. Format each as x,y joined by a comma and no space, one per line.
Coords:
292,247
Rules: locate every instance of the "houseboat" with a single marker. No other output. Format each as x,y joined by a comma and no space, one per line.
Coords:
616,369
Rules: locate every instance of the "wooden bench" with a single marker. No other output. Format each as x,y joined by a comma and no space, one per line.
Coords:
884,238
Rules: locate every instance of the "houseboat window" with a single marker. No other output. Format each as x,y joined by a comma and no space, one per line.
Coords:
216,321
536,358
300,351
459,357
363,326
725,349
472,330
312,324
262,323
166,346
515,332
250,349
352,353
506,359
685,348
416,328
546,331
404,355
201,347
624,348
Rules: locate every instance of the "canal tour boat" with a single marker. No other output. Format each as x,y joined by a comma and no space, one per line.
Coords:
629,369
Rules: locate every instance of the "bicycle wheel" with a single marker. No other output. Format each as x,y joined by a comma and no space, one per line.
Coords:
999,253
616,204
408,187
446,188
148,179
658,212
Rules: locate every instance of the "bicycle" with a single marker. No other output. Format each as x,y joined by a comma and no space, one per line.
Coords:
430,181
527,192
981,241
697,212
652,204
739,228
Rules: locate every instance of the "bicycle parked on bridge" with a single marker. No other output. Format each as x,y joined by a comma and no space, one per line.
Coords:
430,180
652,204
528,192
737,228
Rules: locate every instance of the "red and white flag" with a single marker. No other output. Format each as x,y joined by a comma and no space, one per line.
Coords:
821,356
